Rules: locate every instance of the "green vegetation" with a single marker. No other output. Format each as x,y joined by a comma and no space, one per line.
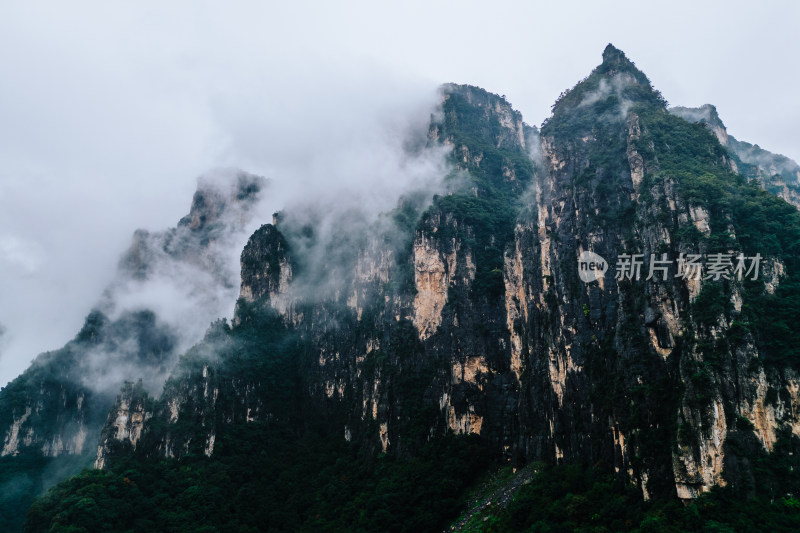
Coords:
267,478
25,477
572,498
53,393
598,99
499,170
761,223
288,474
567,499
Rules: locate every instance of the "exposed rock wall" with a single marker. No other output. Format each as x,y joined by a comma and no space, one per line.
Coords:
477,325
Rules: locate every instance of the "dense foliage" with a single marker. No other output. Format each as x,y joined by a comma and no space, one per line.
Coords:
573,498
743,218
497,171
602,97
57,381
28,475
286,474
570,498
266,478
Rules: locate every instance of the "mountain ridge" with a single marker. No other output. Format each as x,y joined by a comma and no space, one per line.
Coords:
774,172
466,316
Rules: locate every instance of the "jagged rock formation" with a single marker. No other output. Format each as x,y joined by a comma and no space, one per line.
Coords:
493,326
52,409
125,422
607,191
421,305
266,270
465,313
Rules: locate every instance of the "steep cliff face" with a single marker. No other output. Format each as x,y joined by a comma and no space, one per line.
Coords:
586,356
55,409
624,370
266,270
468,313
125,422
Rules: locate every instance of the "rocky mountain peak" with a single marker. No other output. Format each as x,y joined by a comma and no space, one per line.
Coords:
706,114
221,206
217,197
773,172
603,99
487,115
266,269
614,57
615,61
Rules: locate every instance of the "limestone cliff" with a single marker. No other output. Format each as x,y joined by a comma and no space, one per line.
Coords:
466,312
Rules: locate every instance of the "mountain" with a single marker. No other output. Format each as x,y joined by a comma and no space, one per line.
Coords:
775,173
491,343
51,416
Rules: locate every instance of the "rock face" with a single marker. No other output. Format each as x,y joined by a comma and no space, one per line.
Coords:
266,270
465,313
493,333
398,326
125,421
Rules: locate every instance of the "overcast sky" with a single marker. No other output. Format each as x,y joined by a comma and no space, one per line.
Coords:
109,110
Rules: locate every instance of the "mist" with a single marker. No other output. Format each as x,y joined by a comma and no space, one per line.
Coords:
109,113
319,132
605,89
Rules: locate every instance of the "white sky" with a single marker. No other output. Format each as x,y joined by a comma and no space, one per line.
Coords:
110,110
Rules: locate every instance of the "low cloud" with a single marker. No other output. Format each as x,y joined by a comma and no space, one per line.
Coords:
17,254
616,87
177,281
323,131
